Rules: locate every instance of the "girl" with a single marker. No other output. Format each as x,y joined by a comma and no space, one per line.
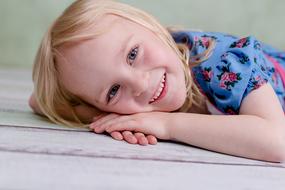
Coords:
117,69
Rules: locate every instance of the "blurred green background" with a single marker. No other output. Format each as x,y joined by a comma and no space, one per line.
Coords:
23,22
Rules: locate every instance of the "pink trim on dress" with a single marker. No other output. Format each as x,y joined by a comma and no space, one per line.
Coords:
278,68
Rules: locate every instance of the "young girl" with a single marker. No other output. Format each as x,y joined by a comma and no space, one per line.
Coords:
115,68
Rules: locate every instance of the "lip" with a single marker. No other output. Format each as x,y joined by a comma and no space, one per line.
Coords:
164,90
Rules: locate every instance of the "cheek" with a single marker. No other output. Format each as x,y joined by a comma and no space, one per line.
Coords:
127,108
167,55
156,56
123,106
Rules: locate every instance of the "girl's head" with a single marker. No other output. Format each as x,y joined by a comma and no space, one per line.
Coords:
113,57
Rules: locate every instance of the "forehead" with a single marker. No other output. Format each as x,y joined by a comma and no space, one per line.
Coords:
111,29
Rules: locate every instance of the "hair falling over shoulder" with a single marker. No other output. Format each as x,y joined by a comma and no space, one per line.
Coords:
72,26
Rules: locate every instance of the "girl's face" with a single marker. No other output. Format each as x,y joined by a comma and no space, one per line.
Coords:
123,70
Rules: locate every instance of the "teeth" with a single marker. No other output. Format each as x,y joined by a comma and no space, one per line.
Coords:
159,90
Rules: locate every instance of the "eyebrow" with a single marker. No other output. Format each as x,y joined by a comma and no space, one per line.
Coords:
123,47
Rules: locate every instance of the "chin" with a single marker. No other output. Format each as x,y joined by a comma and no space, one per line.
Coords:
179,104
175,105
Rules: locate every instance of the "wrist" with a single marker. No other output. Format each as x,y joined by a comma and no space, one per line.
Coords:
171,125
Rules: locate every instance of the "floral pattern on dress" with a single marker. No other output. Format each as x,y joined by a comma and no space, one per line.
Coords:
257,45
256,82
236,67
243,42
203,42
244,59
228,79
208,74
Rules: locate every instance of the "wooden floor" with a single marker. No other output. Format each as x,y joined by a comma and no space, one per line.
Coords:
36,154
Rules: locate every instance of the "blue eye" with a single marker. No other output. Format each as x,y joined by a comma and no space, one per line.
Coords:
130,59
133,55
112,92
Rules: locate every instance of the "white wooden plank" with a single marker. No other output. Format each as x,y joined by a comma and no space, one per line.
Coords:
33,172
17,75
14,105
11,117
88,144
16,87
15,91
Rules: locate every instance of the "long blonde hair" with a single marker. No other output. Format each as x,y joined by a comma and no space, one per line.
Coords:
72,26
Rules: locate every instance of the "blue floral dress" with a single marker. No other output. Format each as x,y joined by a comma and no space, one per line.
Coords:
235,68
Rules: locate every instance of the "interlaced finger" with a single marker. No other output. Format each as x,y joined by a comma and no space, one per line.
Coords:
142,140
117,135
151,139
129,137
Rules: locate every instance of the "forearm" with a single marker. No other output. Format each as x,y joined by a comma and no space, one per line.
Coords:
240,135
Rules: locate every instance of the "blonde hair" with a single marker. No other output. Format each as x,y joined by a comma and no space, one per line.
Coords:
72,26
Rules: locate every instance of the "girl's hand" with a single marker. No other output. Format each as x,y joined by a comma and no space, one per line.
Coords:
134,138
149,123
130,137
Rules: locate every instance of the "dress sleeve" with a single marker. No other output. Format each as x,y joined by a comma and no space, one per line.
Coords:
197,42
228,77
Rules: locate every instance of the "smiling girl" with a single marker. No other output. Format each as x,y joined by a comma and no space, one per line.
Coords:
115,68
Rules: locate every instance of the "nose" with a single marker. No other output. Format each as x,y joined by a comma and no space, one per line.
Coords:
139,83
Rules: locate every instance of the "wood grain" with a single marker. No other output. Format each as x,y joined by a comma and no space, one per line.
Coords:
88,144
32,171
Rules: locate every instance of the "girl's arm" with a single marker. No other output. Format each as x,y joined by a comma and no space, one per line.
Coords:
258,132
85,113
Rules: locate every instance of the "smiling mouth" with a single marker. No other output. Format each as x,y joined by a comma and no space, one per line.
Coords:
161,91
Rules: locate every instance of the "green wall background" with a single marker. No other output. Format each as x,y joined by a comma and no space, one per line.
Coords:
23,22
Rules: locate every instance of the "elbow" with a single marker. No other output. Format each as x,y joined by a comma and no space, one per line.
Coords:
277,154
281,155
